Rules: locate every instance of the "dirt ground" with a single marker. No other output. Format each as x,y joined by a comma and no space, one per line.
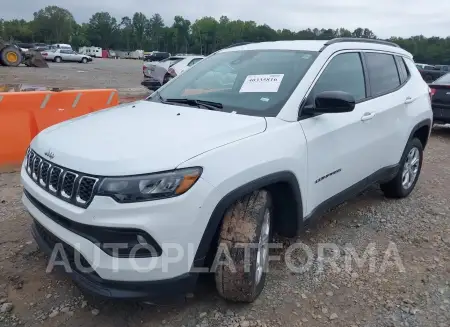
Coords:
418,295
125,75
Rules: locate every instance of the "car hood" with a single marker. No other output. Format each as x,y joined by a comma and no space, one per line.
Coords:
141,137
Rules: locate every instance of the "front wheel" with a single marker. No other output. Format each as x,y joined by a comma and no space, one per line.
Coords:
10,56
84,60
244,248
410,166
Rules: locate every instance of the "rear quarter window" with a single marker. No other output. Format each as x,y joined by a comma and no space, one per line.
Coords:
383,73
402,69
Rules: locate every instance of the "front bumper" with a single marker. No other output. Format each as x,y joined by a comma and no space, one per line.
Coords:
93,284
177,224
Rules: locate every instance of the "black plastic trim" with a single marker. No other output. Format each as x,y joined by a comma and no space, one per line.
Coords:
95,233
112,289
425,122
219,211
366,76
382,175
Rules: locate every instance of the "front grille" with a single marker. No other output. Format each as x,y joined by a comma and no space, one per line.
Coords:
70,186
68,183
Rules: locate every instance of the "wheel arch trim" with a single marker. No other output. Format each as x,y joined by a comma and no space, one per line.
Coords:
221,207
426,122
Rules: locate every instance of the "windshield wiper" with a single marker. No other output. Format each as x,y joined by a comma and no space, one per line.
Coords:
197,103
160,97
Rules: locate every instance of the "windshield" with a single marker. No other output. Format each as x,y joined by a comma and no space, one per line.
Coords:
251,82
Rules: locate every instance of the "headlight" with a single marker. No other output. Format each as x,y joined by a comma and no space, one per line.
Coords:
149,187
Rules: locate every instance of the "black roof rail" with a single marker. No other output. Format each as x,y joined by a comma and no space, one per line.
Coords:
357,39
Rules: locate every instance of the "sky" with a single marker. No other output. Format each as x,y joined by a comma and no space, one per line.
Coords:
385,18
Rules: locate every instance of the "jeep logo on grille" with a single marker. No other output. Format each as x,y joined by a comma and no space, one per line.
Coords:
50,154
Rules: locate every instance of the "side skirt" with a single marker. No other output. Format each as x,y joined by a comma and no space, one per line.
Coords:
383,175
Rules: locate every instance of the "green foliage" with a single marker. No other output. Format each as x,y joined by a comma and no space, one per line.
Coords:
54,24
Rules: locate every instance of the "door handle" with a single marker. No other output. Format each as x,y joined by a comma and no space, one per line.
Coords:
409,100
367,116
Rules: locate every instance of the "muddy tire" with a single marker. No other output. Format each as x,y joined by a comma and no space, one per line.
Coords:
410,166
246,227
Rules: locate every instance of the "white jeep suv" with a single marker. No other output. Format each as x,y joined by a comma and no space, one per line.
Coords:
255,139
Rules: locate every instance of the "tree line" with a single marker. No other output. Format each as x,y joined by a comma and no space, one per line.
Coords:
54,24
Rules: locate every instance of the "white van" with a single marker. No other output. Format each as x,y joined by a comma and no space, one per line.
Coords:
95,52
61,46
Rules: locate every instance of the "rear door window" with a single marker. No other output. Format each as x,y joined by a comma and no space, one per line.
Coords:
383,74
402,69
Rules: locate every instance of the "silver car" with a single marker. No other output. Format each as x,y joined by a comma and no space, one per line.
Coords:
59,55
157,74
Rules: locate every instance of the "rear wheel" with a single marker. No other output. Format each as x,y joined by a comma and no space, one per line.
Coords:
244,239
10,56
410,166
58,59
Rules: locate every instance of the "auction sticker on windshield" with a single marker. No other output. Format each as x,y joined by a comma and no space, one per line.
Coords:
261,83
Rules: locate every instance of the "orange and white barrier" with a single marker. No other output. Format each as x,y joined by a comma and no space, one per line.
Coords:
24,114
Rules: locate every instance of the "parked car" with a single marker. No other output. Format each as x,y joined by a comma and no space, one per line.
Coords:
24,47
440,99
156,56
424,66
157,74
59,55
61,46
149,193
41,48
431,73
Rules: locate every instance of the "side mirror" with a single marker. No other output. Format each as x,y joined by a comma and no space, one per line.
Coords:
329,102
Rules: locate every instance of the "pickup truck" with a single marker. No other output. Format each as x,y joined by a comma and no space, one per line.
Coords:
431,73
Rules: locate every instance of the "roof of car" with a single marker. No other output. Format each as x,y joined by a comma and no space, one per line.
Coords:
192,56
319,45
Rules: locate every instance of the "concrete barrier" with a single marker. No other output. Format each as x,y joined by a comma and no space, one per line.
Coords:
24,114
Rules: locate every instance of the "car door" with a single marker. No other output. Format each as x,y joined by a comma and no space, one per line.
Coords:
74,56
389,99
65,55
77,57
338,143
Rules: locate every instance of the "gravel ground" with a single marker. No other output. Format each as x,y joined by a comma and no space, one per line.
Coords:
123,75
418,228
